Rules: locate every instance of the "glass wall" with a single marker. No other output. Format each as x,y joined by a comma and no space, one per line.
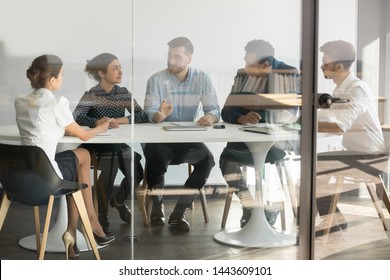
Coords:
352,166
219,34
138,32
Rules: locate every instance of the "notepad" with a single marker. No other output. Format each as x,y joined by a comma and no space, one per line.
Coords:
272,128
104,134
183,127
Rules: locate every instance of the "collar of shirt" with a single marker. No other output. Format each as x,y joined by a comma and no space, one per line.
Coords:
188,77
100,91
44,92
344,85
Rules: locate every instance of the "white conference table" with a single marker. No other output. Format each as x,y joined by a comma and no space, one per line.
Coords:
257,232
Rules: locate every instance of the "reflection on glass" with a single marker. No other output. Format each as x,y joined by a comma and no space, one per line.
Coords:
360,157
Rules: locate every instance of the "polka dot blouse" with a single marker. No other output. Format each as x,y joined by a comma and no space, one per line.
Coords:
96,104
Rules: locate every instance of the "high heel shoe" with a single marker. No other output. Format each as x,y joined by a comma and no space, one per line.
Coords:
76,250
103,240
69,243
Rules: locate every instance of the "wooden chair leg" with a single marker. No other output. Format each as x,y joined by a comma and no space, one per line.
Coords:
383,194
141,198
291,188
372,190
37,229
202,194
78,199
190,168
5,203
228,202
333,206
46,227
144,200
148,205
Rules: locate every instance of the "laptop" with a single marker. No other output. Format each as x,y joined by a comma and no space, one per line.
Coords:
184,127
272,129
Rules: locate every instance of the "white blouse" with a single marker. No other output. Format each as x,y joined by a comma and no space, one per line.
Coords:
41,119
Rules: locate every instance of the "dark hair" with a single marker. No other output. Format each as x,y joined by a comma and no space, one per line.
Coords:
340,52
182,42
42,69
99,63
263,50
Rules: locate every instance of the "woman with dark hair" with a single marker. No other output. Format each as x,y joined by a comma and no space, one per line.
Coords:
108,101
42,120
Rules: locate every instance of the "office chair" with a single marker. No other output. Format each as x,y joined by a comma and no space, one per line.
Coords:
28,177
349,172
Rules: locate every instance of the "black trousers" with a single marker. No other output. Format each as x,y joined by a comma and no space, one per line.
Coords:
112,157
159,155
236,155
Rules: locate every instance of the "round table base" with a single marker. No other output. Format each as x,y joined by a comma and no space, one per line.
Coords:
257,233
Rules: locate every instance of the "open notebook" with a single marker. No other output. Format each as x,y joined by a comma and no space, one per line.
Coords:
184,127
273,128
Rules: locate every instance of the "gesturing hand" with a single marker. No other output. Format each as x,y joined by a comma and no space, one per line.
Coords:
165,108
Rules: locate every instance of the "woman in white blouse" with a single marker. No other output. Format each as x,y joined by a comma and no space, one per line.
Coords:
42,120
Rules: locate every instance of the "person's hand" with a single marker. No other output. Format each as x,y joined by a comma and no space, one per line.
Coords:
102,125
250,118
165,108
164,111
113,123
207,120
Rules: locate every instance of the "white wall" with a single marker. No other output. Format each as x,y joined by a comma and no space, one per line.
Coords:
337,21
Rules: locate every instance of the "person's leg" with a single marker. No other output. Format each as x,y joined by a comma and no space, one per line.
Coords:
125,157
231,171
157,156
326,162
108,166
199,156
232,159
84,165
67,163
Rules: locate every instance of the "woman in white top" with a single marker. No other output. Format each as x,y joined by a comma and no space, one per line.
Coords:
42,120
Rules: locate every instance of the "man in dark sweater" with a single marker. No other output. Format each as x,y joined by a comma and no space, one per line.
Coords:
262,74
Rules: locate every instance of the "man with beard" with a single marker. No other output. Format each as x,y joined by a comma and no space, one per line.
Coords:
175,94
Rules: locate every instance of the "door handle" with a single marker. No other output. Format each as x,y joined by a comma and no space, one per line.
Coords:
324,100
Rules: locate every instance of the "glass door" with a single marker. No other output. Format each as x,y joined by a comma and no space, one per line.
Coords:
351,195
249,61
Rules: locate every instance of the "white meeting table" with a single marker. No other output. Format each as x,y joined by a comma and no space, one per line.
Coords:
257,232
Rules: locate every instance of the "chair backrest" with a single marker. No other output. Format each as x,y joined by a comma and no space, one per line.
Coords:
28,176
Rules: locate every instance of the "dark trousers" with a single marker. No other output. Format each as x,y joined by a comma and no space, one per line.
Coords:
110,158
159,155
231,161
